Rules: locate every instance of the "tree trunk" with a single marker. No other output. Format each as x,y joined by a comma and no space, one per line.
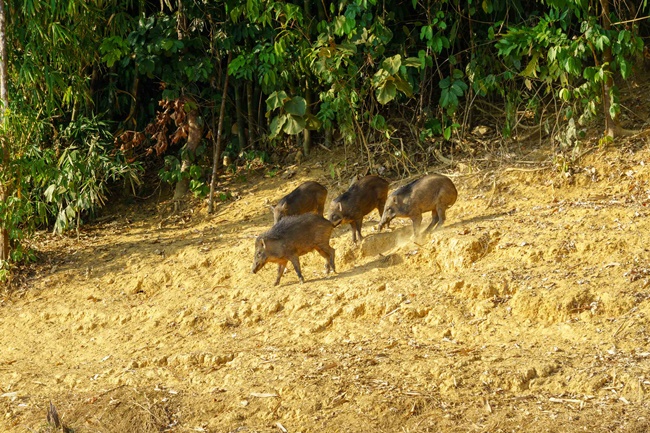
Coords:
322,14
194,123
612,127
95,76
306,143
217,147
131,118
4,152
194,134
252,134
329,137
239,115
3,62
308,18
181,23
260,127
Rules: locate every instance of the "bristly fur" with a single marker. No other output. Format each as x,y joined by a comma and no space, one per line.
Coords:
406,189
279,228
347,194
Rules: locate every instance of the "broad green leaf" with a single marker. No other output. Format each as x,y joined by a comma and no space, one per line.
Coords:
279,47
458,88
574,66
276,100
349,25
380,77
592,106
386,92
424,58
531,68
196,172
603,41
460,84
296,106
565,95
392,64
378,122
294,124
626,70
487,6
276,125
403,86
312,122
167,44
448,99
426,33
447,133
638,44
588,73
623,35
414,62
436,44
339,25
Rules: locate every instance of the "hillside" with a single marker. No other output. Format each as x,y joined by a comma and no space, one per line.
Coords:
528,311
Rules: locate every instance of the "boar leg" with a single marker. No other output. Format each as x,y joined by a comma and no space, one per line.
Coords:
328,254
296,266
380,208
332,253
417,220
435,218
355,229
281,267
442,215
354,232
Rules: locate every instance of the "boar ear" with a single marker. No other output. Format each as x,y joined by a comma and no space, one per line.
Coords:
340,207
263,243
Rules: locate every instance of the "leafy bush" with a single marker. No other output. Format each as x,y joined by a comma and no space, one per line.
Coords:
84,170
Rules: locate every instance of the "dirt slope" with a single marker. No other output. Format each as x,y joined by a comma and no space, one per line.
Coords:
528,311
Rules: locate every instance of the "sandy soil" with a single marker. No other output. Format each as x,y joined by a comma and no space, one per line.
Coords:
528,312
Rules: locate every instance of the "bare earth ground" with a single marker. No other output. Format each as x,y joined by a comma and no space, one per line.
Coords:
528,311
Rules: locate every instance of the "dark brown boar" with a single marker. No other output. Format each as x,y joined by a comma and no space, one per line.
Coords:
291,238
308,197
359,200
433,193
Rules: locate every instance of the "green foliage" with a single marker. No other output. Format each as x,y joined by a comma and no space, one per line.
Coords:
113,49
24,176
83,172
559,53
47,189
292,117
452,88
387,80
171,173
